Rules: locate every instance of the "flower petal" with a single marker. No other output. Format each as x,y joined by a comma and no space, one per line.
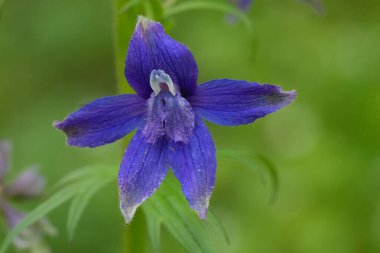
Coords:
103,121
12,216
28,184
4,158
151,48
231,103
194,164
142,170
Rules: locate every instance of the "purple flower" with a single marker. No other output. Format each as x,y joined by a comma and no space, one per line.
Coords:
243,5
29,184
167,112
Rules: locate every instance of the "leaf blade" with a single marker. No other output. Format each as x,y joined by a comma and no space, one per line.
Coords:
39,212
180,221
79,204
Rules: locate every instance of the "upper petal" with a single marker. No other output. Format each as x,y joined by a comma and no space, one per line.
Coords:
103,121
231,102
142,170
151,48
28,184
4,158
194,164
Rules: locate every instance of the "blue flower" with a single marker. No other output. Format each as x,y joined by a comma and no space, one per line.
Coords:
167,112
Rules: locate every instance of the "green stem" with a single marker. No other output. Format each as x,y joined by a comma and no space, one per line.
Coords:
125,16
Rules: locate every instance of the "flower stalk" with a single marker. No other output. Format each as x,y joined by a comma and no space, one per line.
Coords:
125,14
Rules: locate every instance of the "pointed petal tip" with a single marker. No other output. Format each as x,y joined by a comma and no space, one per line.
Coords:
144,22
291,94
202,213
201,208
58,124
128,211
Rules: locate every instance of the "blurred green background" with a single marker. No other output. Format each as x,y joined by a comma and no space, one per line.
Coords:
57,55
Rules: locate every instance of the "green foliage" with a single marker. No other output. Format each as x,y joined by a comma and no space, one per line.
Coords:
167,207
154,222
128,5
172,211
212,6
218,225
80,186
43,209
80,202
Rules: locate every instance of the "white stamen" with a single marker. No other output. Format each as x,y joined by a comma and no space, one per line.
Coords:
159,76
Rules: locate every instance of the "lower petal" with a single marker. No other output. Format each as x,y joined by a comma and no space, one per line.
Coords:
142,170
194,164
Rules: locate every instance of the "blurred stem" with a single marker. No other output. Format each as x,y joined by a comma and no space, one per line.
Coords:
125,15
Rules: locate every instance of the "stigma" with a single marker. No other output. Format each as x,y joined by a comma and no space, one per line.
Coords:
160,81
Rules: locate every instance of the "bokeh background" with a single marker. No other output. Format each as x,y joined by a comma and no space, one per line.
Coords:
57,55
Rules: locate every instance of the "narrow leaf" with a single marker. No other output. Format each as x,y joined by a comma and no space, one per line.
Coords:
103,171
272,170
39,212
80,202
213,6
128,5
215,222
154,222
180,221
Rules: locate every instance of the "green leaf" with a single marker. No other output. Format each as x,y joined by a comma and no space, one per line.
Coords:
77,182
258,165
157,10
95,171
214,221
80,202
154,222
213,6
40,211
184,225
128,5
272,170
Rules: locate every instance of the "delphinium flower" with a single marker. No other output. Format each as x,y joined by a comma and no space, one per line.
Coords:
29,184
167,112
243,5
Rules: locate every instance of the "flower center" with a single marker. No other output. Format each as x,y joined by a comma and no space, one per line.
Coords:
159,81
168,113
